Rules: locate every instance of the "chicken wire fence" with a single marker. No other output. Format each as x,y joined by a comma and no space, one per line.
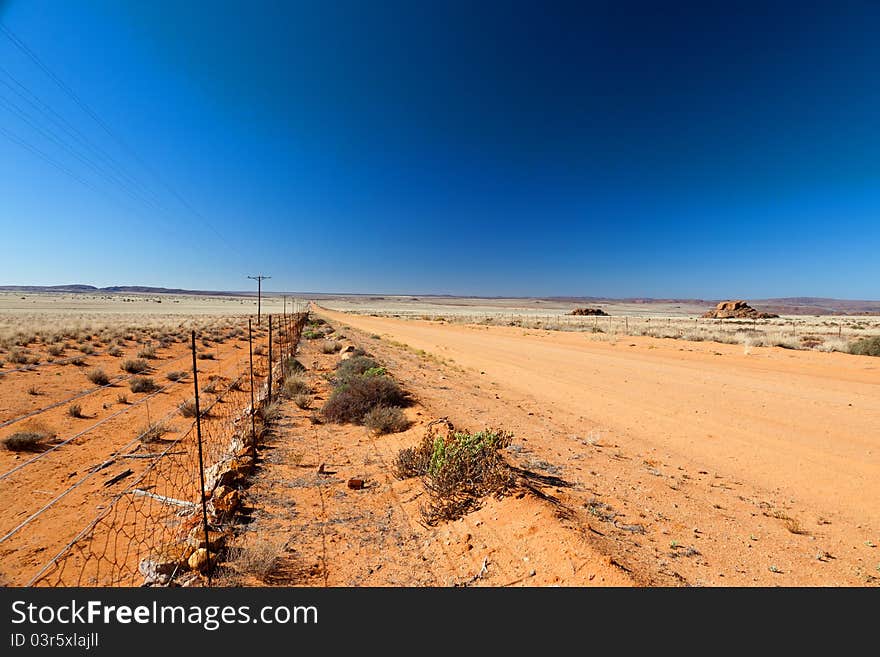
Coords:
161,527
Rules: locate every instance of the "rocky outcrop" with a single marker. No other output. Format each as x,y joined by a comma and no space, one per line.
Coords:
737,309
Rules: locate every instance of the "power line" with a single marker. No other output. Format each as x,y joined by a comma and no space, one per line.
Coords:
23,47
259,279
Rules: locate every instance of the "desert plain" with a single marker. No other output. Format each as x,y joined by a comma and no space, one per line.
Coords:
670,449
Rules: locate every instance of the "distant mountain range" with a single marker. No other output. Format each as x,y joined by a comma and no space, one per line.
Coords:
779,306
134,289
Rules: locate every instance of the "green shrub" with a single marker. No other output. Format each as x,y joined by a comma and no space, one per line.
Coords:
354,368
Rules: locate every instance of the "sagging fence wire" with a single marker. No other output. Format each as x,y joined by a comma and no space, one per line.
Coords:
168,525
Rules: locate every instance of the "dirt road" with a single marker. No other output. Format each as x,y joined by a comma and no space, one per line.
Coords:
770,457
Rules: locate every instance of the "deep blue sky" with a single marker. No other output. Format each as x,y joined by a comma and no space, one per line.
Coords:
615,149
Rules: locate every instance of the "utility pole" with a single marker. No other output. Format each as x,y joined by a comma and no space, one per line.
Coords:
259,279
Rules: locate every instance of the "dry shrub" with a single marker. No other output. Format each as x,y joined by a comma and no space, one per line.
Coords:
866,347
295,385
351,401
386,419
75,410
142,384
259,350
147,351
152,433
98,376
188,408
303,400
270,412
122,398
458,469
32,438
205,355
259,558
55,350
176,375
135,365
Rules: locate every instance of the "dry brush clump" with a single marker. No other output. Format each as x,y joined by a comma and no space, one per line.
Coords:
386,419
134,365
142,384
457,468
351,401
98,376
152,433
866,347
34,436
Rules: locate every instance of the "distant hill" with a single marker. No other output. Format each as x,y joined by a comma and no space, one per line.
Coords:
113,289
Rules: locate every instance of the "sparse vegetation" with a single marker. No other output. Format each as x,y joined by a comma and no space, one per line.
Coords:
458,469
121,398
152,433
269,413
188,409
386,419
142,384
26,441
205,355
312,334
115,351
351,401
75,410
302,400
98,376
294,385
866,347
147,352
34,391
135,365
354,368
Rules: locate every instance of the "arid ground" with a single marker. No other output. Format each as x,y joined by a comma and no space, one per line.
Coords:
679,463
663,461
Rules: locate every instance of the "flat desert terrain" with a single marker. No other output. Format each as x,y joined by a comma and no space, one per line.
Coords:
682,452
724,467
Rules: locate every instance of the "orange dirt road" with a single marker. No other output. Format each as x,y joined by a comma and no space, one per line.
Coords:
799,429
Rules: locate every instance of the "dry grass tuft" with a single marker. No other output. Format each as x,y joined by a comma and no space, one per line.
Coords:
98,376
142,384
135,365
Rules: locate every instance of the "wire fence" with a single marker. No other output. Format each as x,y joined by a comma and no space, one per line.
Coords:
181,483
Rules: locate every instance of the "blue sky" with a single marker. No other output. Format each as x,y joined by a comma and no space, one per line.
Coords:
622,149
